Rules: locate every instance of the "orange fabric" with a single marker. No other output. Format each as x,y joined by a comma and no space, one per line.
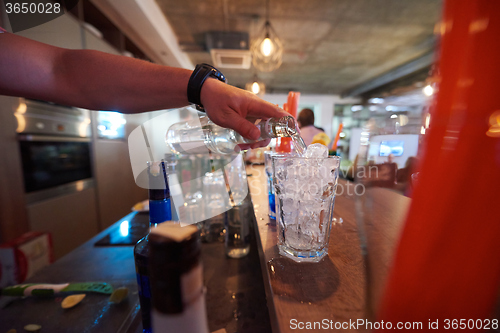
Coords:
284,145
448,261
293,103
334,146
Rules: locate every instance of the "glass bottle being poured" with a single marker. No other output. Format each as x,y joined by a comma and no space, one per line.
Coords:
202,136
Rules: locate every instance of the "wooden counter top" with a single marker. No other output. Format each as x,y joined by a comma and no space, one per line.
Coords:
333,289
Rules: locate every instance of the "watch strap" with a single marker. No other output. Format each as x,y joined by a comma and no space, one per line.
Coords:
198,77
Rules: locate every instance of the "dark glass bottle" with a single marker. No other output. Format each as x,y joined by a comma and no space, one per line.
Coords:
237,236
178,296
160,210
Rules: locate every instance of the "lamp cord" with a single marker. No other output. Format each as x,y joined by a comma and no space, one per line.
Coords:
225,11
267,12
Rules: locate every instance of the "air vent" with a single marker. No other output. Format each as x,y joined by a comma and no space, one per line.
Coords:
223,58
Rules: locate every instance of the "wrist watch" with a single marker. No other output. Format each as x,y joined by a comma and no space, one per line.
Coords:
200,74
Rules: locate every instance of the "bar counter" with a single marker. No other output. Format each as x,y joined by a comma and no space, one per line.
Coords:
335,288
238,290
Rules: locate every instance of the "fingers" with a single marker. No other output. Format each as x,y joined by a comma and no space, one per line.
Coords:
260,144
263,109
250,105
245,146
242,146
228,106
241,125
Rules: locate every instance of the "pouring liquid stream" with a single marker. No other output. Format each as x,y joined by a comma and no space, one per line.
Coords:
299,145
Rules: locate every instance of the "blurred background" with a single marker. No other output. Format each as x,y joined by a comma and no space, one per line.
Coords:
353,61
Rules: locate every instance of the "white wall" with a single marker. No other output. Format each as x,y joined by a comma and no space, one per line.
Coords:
92,42
64,31
322,105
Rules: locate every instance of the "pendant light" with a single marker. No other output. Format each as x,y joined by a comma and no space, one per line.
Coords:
256,86
267,50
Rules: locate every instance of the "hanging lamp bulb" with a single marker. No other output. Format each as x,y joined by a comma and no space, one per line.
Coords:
266,47
255,88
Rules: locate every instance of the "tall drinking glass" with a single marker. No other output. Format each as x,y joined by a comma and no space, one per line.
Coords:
305,194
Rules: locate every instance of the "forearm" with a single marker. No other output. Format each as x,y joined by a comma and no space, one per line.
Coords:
88,79
126,85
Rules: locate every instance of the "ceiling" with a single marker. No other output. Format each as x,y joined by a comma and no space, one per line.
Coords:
330,46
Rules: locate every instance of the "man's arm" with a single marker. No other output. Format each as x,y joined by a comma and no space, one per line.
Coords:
101,81
86,78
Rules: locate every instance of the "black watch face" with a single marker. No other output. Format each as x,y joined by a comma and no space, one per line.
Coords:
214,72
220,76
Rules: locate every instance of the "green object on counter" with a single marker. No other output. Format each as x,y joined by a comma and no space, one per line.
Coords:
38,289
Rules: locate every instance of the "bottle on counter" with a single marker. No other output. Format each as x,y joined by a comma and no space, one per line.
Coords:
212,228
237,236
202,136
178,295
237,232
214,191
160,210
